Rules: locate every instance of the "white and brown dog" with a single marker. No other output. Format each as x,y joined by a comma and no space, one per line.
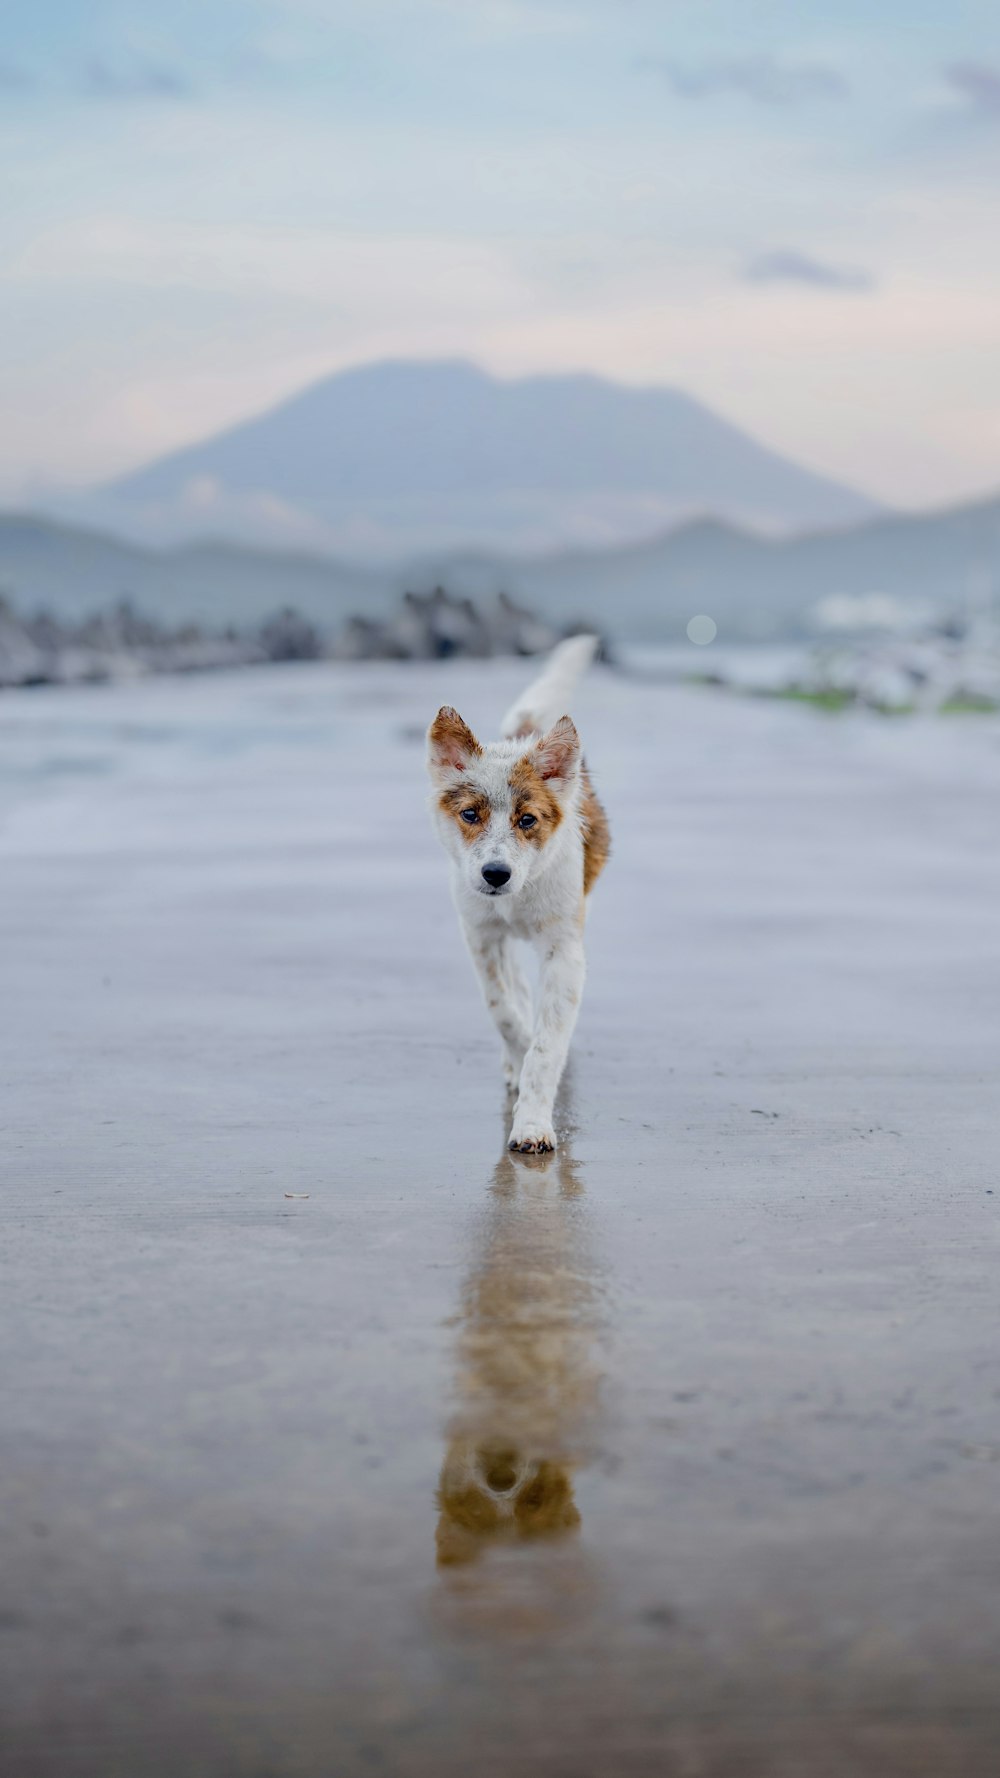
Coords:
527,839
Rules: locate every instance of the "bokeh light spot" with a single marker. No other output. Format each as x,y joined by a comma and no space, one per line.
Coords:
702,630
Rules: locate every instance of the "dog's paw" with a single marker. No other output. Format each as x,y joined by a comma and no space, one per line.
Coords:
531,1136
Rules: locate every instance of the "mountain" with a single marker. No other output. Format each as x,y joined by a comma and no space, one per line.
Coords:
393,458
73,571
755,588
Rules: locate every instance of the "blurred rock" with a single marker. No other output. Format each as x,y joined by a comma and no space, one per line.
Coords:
290,637
22,662
432,626
123,643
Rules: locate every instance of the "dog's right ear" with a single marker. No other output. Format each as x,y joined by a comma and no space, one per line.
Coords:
451,744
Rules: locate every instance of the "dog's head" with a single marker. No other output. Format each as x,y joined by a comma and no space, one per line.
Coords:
492,1493
500,806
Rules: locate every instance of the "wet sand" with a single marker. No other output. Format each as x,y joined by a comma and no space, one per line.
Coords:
337,1442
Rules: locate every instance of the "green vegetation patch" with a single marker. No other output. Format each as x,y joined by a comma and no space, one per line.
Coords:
969,705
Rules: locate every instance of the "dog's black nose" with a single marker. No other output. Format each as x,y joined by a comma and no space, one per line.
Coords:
496,875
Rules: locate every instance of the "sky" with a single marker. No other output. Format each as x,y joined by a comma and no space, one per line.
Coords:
789,210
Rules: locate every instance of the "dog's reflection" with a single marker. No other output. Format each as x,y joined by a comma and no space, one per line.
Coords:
527,1382
488,1492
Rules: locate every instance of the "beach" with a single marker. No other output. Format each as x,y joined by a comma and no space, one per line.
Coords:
335,1440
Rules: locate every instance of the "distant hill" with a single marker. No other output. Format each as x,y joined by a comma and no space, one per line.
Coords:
754,587
72,571
392,458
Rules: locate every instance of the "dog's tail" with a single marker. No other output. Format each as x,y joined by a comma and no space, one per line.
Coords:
547,697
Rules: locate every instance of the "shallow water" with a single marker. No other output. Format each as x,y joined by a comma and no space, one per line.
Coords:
676,1452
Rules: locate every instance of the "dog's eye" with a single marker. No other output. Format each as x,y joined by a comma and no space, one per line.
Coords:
527,821
470,815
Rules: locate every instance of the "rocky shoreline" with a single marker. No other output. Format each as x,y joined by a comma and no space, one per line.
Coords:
122,643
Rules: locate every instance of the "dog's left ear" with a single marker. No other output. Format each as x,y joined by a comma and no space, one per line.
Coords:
557,754
451,744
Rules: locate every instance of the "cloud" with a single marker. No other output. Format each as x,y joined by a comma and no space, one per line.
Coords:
147,81
979,84
784,265
765,79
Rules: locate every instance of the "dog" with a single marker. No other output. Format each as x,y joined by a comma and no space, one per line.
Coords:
527,839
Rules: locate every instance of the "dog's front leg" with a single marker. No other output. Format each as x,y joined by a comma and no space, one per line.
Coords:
505,993
561,988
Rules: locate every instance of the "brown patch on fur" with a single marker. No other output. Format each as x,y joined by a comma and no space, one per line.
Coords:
465,796
451,740
596,834
532,796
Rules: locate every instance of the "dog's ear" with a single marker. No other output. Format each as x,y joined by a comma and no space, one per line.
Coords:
545,1505
451,744
557,754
